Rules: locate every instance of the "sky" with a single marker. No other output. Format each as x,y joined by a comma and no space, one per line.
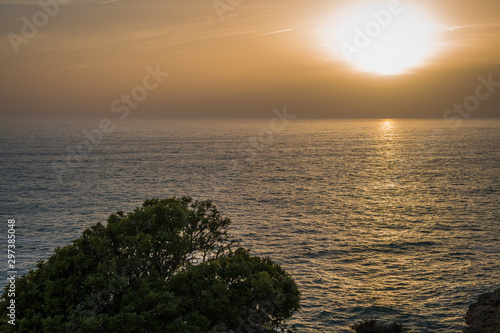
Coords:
242,58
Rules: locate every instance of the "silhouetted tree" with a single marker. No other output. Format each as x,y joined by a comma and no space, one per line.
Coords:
168,266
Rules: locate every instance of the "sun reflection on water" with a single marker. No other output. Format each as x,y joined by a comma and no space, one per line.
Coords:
387,127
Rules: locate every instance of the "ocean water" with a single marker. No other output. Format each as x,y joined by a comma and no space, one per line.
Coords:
387,219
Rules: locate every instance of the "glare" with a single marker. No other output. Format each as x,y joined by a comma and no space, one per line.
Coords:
386,129
382,38
387,125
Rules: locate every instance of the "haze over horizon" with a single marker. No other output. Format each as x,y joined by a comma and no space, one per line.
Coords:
238,60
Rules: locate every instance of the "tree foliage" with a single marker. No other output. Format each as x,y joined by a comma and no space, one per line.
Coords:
168,266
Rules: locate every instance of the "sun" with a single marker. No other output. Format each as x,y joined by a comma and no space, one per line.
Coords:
385,38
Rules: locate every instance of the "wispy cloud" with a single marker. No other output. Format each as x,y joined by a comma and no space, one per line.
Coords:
471,26
107,1
275,32
19,2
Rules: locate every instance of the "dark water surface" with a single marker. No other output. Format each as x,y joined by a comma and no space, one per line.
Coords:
397,220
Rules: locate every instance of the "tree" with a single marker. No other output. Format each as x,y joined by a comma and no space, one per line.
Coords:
168,266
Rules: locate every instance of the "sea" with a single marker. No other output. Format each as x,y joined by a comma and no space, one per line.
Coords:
396,220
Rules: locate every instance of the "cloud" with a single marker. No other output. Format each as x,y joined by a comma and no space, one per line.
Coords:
471,26
107,1
275,32
18,3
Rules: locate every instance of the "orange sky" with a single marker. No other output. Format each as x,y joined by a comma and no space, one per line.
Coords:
263,54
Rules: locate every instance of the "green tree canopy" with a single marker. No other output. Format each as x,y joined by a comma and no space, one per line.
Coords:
168,266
